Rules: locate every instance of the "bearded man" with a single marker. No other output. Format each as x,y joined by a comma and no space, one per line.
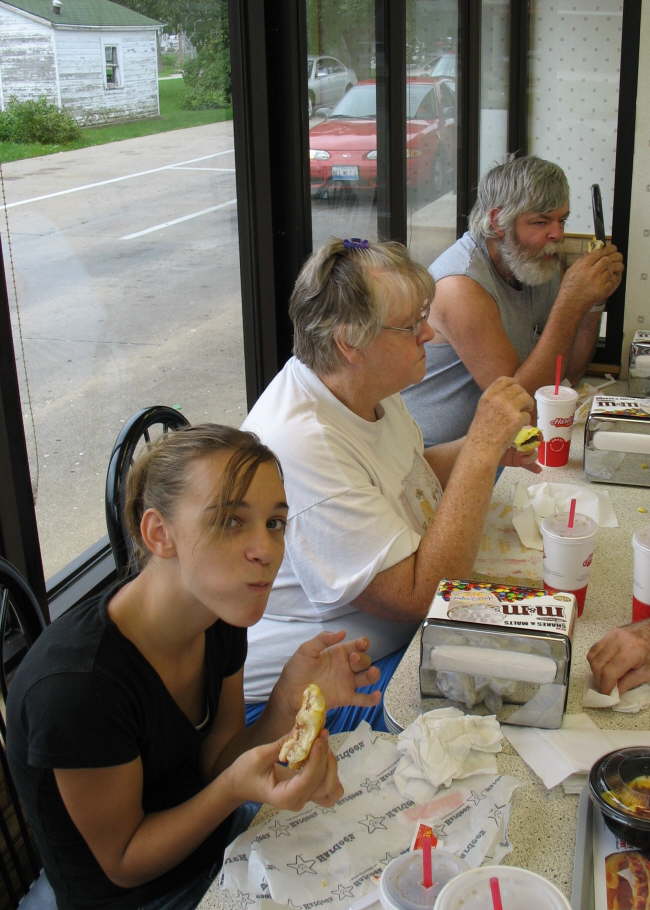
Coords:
501,305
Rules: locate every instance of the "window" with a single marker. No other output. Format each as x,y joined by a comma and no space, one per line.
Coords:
431,66
129,297
113,75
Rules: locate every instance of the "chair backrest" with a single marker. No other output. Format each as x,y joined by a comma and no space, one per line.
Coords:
21,622
142,428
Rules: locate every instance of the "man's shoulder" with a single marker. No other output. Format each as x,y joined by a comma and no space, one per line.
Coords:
463,258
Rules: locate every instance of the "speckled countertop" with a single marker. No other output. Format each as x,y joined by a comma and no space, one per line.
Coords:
543,822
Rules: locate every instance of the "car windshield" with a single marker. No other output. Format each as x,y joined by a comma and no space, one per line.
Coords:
445,66
360,101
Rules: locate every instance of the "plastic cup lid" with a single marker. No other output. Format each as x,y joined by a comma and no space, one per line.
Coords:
642,538
401,881
558,525
564,393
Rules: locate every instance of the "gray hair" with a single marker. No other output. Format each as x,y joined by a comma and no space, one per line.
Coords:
339,294
520,185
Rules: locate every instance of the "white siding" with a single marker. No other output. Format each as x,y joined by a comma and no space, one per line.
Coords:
27,65
84,92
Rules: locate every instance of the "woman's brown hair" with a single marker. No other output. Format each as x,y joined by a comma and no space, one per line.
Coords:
158,477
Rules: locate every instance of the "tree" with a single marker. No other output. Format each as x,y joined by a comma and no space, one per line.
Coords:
205,23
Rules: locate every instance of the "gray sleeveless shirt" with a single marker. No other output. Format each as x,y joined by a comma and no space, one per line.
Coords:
443,403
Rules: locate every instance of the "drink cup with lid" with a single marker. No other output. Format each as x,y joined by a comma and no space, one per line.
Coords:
556,407
518,888
641,594
569,541
401,885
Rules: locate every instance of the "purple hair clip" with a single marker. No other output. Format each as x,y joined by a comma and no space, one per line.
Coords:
355,243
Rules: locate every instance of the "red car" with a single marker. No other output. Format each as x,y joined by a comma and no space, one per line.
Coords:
343,149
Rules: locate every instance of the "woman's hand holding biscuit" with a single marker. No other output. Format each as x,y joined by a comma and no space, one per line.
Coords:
257,775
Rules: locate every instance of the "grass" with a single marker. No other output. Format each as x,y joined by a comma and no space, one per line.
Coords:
172,117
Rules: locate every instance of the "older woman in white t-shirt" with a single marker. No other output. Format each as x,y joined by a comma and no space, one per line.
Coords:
375,519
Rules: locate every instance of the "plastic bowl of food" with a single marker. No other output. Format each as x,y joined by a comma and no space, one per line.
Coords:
619,785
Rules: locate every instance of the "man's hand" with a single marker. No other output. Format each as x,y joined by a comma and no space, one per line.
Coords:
621,657
503,409
591,279
515,459
339,667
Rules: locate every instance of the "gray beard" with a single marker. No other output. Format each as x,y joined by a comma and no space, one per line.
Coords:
528,269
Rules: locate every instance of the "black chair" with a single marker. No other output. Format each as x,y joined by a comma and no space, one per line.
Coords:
142,428
21,622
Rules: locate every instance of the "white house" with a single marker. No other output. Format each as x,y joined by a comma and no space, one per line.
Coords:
95,58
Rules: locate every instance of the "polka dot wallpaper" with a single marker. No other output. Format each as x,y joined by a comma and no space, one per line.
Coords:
573,96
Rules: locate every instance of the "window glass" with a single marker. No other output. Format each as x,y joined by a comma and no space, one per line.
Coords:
431,70
495,61
121,260
342,125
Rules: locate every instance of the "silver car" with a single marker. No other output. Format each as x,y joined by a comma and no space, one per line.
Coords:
327,81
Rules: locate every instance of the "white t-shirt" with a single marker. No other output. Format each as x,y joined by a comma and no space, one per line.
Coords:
360,496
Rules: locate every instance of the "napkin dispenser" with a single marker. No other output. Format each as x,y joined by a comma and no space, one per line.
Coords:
638,370
498,649
617,440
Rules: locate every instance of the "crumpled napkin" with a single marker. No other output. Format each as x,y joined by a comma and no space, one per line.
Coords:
536,501
630,702
586,392
445,745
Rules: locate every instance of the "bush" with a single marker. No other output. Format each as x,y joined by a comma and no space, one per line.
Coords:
37,121
207,79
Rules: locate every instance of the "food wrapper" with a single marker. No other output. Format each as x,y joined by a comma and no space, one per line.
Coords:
621,871
332,856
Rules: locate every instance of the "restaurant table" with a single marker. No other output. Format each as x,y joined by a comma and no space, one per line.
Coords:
543,822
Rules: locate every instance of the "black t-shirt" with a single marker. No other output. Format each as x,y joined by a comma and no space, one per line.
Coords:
85,697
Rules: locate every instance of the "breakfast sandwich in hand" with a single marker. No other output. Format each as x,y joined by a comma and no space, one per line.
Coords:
527,439
308,724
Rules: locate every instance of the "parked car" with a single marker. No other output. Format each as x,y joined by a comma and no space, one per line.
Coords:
343,149
327,81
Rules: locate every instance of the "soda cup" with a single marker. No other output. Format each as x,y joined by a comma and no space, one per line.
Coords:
641,595
400,885
518,888
568,553
555,420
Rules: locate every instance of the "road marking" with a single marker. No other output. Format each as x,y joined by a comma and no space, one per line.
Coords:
90,186
221,170
165,224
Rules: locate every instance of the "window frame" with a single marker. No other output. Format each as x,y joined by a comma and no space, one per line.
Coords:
117,67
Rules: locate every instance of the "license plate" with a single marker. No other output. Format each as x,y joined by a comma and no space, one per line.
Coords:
345,172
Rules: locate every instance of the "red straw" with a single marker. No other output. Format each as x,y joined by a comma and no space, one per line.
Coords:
496,894
572,513
427,877
559,360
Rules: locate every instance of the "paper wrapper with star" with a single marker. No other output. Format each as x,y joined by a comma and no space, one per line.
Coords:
331,857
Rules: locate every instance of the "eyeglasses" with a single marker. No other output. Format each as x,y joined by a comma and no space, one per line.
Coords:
414,329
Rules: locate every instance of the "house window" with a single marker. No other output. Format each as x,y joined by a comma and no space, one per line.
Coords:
113,75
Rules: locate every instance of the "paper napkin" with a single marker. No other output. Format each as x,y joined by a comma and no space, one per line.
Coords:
534,502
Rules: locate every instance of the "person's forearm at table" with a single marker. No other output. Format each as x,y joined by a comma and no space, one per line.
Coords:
582,350
450,544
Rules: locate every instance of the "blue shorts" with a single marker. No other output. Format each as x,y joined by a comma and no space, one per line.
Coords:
340,720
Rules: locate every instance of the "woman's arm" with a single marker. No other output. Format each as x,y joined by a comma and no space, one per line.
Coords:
450,543
132,847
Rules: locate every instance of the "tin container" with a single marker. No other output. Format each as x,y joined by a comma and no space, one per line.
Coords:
506,649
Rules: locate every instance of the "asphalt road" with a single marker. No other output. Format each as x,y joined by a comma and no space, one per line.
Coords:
124,259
